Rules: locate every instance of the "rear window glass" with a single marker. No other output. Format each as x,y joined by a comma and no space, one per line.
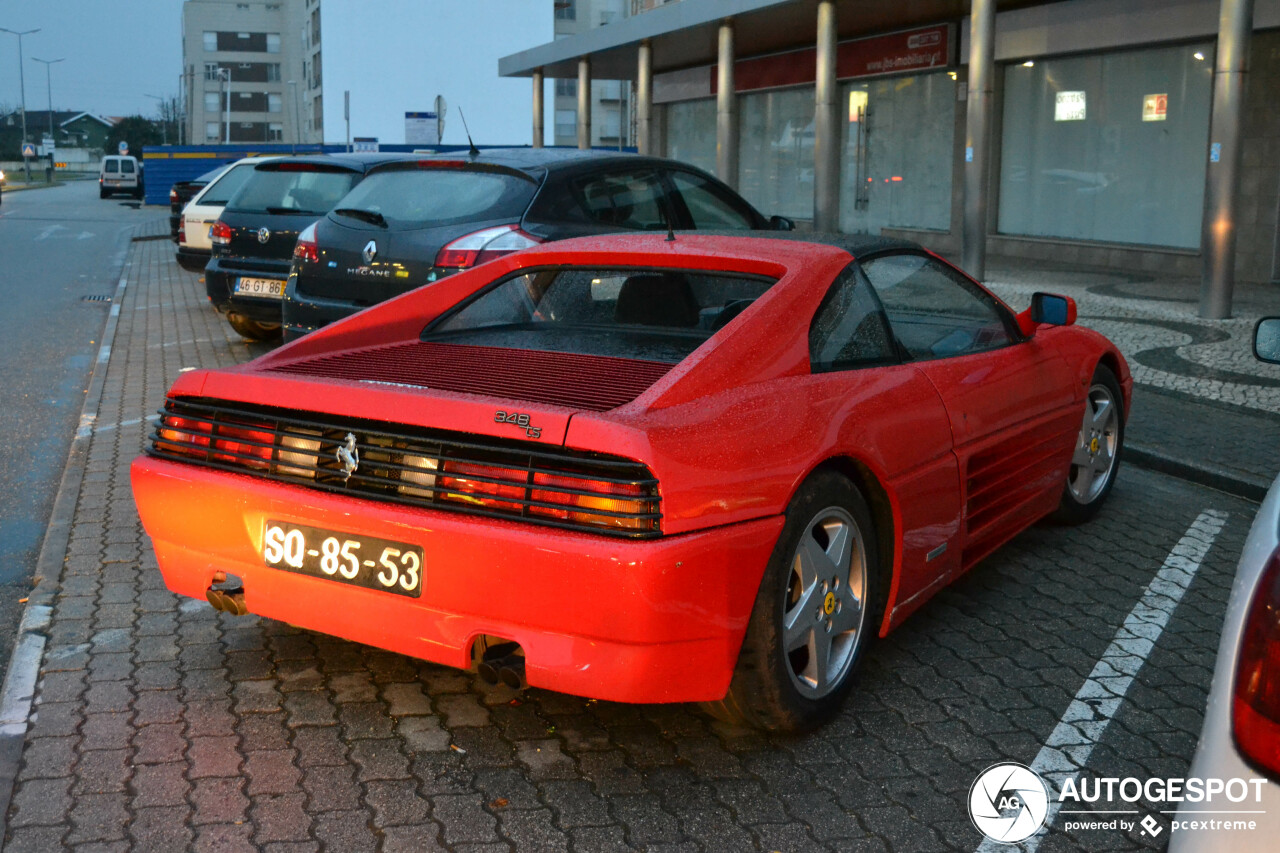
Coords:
419,198
656,314
126,166
292,191
112,166
221,190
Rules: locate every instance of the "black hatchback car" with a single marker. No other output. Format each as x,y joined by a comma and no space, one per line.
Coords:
254,237
414,221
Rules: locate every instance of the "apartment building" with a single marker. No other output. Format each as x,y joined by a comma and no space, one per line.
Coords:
612,106
243,66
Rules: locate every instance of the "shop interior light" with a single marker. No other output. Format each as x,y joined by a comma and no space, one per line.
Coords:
1198,55
1030,63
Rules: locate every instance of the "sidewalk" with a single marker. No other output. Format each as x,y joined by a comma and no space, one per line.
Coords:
1203,408
154,722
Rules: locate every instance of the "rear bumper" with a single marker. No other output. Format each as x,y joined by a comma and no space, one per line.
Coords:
193,260
219,283
302,314
634,621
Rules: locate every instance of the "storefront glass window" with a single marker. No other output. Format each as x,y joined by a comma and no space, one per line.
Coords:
896,153
1108,147
691,133
775,154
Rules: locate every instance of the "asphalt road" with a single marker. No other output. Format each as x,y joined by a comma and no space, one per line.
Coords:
57,246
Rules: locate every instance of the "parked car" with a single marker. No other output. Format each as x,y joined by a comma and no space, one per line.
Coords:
639,469
254,236
195,230
413,222
182,192
120,174
1240,738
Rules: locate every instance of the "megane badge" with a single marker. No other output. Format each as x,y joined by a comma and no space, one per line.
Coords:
370,252
348,457
264,234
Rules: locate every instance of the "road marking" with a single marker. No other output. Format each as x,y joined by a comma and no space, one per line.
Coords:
1069,746
107,427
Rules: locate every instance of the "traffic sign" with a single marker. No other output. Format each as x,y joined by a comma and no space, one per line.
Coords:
124,148
28,149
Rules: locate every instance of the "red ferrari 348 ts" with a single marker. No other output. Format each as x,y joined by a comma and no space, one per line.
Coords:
636,468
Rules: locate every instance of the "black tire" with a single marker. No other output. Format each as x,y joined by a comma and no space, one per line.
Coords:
1101,438
102,193
252,330
776,690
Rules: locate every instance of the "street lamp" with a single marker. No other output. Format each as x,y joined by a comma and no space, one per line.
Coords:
227,71
48,81
164,123
22,87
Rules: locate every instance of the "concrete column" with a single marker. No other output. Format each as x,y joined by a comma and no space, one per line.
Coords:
537,109
826,117
584,102
726,110
977,147
644,98
1222,178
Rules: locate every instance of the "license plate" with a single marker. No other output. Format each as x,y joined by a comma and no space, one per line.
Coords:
349,558
260,287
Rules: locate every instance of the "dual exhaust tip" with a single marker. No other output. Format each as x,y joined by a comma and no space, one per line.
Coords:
227,597
503,664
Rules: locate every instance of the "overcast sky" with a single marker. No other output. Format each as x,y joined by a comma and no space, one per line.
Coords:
115,51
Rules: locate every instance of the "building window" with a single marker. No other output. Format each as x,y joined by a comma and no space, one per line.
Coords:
566,88
897,140
212,102
566,125
210,41
211,70
273,72
275,132
1084,158
566,10
274,103
211,130
273,42
691,133
775,153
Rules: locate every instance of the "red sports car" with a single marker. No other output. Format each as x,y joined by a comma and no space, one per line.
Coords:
645,469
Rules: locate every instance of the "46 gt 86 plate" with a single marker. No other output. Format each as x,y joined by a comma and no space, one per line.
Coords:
348,558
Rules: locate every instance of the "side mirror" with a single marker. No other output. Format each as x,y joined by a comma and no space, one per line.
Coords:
1266,340
1053,310
782,223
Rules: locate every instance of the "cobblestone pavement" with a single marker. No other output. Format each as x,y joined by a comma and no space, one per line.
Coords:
159,723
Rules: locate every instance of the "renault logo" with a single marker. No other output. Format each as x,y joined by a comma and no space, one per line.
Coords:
264,234
370,252
348,457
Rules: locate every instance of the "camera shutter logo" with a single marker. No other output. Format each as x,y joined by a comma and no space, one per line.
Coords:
1008,802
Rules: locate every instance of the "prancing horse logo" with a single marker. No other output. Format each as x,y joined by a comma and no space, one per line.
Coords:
370,252
348,457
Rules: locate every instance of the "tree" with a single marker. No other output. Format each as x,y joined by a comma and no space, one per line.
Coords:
135,130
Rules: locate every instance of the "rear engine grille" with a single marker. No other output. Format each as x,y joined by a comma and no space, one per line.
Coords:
593,383
449,471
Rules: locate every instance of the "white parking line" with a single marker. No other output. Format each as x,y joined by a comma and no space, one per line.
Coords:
1069,746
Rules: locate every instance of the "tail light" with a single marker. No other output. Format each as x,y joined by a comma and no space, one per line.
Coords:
182,230
248,447
220,234
185,435
596,504
482,485
173,196
307,249
480,246
1255,706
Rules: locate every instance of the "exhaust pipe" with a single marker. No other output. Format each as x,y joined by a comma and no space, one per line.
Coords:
501,664
229,599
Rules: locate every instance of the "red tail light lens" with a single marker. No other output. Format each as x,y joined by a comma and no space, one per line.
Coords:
173,196
184,435
307,249
182,230
248,447
480,246
1255,706
605,498
220,234
462,482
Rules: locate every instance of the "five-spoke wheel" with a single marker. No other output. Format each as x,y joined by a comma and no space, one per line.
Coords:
1097,453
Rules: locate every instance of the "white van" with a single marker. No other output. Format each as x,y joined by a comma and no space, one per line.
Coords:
120,174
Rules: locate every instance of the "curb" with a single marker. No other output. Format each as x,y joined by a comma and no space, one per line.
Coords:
28,649
1204,475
